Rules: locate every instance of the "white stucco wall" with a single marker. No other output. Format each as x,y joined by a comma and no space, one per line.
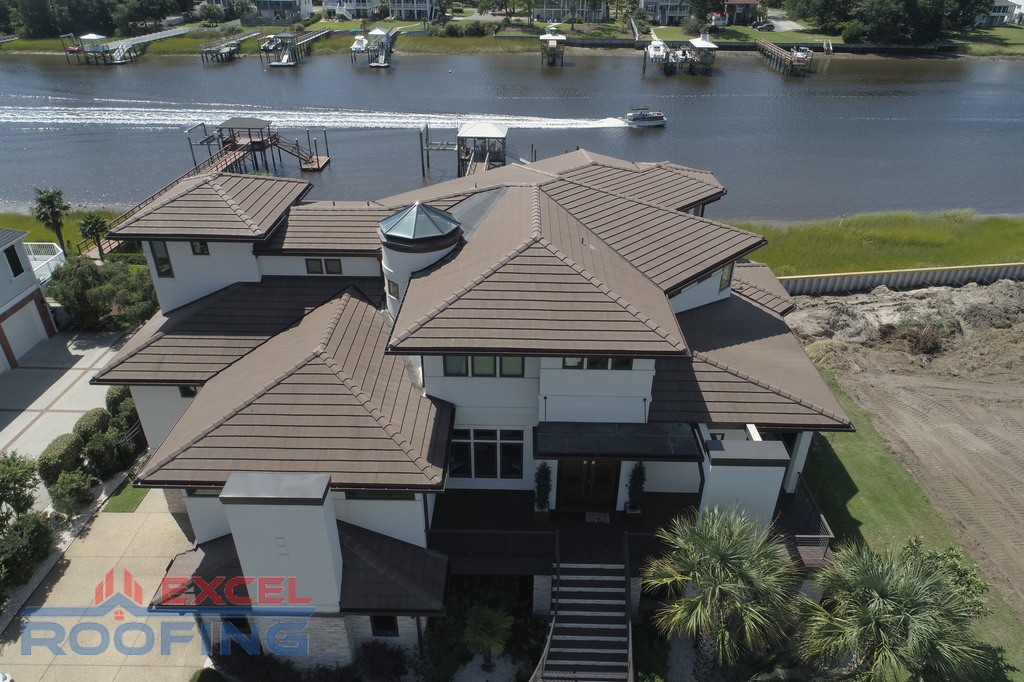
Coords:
12,289
197,276
798,457
159,408
398,267
700,293
754,489
401,519
595,395
207,516
351,266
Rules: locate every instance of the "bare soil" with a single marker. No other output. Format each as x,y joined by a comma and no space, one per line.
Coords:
941,370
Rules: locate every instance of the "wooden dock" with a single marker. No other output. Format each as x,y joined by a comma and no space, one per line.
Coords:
294,47
7,39
795,62
226,49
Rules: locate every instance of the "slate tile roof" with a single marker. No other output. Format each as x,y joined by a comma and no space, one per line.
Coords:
318,398
531,279
217,206
190,345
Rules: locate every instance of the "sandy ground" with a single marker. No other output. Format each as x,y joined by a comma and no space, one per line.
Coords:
954,416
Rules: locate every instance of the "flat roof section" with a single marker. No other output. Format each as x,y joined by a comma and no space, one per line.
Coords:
649,442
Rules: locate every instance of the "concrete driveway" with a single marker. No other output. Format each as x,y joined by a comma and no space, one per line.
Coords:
782,22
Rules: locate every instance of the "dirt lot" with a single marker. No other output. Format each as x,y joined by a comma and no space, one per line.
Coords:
942,371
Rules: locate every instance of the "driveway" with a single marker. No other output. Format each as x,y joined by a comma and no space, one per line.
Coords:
782,23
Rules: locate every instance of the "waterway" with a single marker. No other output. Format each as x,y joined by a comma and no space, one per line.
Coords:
857,134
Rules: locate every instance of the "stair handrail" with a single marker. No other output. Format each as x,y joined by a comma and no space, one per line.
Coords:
629,608
538,672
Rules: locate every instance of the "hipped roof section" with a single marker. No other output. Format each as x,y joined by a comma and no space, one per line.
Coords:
216,206
286,406
534,279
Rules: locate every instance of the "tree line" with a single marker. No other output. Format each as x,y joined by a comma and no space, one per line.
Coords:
890,21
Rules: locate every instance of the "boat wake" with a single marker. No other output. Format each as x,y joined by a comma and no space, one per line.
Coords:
332,119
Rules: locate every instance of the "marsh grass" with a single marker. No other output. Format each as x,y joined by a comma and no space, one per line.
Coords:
890,241
38,232
432,45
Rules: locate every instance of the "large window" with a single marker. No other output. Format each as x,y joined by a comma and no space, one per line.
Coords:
200,249
483,365
162,259
14,260
486,453
384,626
726,278
321,266
597,363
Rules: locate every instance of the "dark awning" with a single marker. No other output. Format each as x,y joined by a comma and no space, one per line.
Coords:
575,440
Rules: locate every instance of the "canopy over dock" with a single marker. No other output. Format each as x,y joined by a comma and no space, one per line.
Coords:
481,146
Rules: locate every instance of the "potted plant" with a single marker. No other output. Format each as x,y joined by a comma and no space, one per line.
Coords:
542,494
635,490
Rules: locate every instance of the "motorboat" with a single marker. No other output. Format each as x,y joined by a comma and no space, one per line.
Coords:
657,52
359,45
643,117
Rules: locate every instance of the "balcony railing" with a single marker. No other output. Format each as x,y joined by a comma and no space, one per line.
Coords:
813,545
44,257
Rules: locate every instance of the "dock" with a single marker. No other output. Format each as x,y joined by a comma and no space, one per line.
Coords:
795,62
226,49
7,38
552,47
698,55
378,52
291,48
94,49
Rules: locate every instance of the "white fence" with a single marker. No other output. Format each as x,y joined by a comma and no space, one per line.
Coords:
45,257
816,285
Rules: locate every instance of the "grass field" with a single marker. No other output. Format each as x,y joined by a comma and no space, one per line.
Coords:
39,233
890,241
866,494
126,499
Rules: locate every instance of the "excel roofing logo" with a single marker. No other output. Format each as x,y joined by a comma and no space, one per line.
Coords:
276,625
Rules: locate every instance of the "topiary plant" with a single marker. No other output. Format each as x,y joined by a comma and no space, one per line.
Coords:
101,454
96,420
72,490
542,482
115,396
637,479
62,454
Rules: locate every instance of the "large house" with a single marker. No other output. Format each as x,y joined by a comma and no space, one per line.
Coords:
24,318
358,394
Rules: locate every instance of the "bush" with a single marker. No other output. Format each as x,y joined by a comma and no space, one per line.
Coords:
692,26
115,396
72,490
381,662
126,258
79,287
62,454
650,650
853,31
101,454
475,29
643,26
453,30
18,480
96,420
259,668
27,542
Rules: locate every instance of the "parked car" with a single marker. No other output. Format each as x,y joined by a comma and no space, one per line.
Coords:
766,27
756,24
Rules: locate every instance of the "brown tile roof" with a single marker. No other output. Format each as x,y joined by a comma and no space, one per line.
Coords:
343,228
747,368
379,573
218,206
532,279
662,184
318,398
192,344
757,283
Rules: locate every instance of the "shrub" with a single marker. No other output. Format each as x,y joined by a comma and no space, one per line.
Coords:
79,287
453,29
853,31
692,26
475,29
126,258
643,26
381,662
96,420
27,542
72,490
62,454
259,668
135,300
115,396
18,480
101,454
127,411
650,650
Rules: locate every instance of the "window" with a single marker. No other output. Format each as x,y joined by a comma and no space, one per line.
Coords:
597,363
483,366
14,261
188,391
622,363
512,366
162,259
486,453
200,249
384,626
314,266
456,366
572,363
392,289
332,266
379,495
726,278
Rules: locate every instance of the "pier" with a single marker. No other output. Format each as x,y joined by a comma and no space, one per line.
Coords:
552,47
226,49
795,62
378,52
94,49
240,141
7,39
479,147
290,48
698,54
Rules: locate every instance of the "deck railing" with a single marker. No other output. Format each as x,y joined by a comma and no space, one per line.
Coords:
44,257
823,538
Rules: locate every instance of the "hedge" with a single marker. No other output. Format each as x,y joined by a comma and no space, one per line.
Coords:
101,454
96,420
115,396
72,490
27,542
62,454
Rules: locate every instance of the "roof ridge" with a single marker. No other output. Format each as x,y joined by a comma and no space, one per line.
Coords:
253,227
162,198
386,568
704,357
613,296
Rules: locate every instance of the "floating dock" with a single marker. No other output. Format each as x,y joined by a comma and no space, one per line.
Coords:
795,62
226,49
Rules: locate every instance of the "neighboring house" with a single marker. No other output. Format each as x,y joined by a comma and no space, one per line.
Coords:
557,11
666,12
359,393
741,12
413,10
1001,14
24,318
283,10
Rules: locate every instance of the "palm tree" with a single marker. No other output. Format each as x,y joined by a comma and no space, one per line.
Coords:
891,615
95,227
728,582
50,208
487,632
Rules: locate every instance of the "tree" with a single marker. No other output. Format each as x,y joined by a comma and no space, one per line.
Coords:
211,14
727,582
901,614
50,209
487,632
18,480
95,227
485,6
885,21
702,9
962,15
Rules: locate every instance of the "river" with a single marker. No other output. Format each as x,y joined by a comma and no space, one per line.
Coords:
858,134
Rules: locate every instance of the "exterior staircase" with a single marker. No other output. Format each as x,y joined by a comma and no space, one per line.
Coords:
590,639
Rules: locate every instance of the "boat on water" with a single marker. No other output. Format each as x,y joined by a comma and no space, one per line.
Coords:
359,44
802,55
643,117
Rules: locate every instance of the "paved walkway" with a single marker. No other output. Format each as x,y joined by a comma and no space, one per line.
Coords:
142,542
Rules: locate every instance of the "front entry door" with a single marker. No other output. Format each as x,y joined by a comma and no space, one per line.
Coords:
587,483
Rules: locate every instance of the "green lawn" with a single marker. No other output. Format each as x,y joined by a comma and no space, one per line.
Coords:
890,241
39,233
866,494
126,500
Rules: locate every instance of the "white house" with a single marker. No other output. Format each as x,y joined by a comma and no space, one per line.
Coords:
24,318
1001,14
558,11
358,394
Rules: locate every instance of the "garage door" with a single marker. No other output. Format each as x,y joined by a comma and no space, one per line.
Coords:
24,330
